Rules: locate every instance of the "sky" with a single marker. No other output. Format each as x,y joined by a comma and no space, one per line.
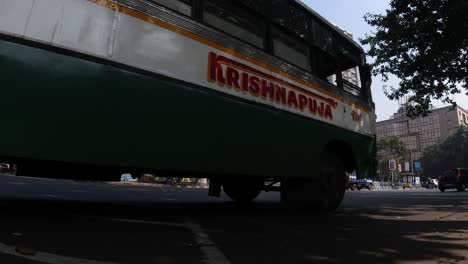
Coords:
348,14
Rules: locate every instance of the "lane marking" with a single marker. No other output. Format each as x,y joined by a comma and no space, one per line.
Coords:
212,254
48,258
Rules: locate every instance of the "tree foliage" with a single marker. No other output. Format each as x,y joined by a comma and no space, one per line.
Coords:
452,153
425,44
392,147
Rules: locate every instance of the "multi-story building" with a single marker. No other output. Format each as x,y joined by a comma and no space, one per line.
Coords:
422,132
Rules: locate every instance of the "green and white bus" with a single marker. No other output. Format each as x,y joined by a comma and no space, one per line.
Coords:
242,92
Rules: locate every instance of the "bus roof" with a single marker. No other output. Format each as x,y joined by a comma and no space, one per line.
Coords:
328,23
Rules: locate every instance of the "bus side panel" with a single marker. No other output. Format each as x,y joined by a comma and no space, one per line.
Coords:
366,156
61,108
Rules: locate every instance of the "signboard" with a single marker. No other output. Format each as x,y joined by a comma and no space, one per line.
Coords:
417,166
407,166
392,165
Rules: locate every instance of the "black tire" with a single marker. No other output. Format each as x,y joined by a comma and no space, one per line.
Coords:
243,191
324,195
461,188
442,189
333,177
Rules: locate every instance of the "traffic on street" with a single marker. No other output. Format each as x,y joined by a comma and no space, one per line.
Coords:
59,221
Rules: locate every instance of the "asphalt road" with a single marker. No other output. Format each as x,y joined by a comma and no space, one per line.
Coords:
51,221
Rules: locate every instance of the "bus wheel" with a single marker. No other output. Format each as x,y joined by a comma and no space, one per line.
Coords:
324,195
333,181
243,191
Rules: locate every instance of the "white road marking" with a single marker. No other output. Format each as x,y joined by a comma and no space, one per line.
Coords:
48,258
212,254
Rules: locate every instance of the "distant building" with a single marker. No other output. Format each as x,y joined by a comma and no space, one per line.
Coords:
422,132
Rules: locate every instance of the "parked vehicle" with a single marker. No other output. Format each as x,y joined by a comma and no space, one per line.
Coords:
360,184
454,179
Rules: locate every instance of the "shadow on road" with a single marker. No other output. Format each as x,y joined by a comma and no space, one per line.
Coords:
267,232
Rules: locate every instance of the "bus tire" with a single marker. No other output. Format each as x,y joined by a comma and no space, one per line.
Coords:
324,195
243,191
333,181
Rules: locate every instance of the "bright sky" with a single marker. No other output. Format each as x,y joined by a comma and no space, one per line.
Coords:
348,14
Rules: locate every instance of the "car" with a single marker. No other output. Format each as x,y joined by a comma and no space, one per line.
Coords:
407,186
454,179
360,184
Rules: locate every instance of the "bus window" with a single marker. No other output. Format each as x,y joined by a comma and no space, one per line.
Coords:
181,6
349,60
257,6
234,21
292,17
290,49
323,38
327,66
351,79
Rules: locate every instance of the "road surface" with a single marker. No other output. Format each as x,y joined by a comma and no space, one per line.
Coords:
54,221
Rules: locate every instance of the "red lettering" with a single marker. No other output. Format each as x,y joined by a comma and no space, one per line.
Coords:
321,109
328,112
268,90
232,78
245,82
254,87
215,70
292,99
302,102
356,117
313,106
280,95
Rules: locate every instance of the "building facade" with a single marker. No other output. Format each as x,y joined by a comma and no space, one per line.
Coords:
420,133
